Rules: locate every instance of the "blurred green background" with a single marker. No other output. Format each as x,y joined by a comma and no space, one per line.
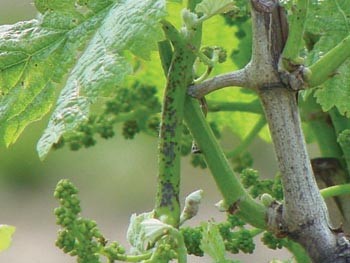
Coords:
116,178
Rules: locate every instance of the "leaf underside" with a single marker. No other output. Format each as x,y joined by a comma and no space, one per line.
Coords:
90,39
103,65
35,55
212,7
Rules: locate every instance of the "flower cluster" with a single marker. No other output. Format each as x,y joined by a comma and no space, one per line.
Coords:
250,180
236,238
135,108
79,236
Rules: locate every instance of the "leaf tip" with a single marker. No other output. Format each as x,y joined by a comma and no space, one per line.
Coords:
6,233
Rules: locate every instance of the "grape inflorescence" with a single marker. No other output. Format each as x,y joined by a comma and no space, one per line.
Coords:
134,108
235,236
78,236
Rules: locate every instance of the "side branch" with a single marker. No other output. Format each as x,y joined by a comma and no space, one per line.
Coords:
264,63
326,66
239,78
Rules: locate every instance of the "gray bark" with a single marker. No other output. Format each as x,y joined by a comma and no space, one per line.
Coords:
303,216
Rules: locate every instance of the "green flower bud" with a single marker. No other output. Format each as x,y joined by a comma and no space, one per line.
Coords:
121,250
222,206
192,203
190,19
90,224
266,199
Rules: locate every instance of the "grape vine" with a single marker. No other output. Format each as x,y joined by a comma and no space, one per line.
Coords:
284,56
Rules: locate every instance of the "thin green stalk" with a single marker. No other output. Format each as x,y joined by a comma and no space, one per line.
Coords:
321,126
166,55
253,232
235,196
339,121
298,252
203,76
220,106
256,231
340,124
326,131
290,55
207,61
327,65
342,189
130,258
326,139
249,139
181,247
133,115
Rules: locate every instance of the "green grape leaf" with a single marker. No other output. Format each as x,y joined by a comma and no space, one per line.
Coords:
35,55
212,243
6,233
104,63
136,234
154,229
242,54
344,141
213,7
240,123
329,22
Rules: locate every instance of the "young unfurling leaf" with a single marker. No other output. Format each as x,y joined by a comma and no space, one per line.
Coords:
213,244
327,25
136,233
